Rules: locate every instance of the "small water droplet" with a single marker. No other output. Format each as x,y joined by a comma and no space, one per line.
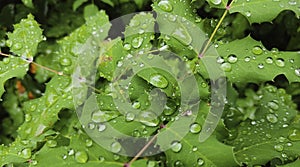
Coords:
116,147
101,127
220,60
28,117
294,135
137,42
81,157
248,13
64,156
278,147
280,62
65,61
127,46
292,2
269,60
297,72
17,46
101,159
159,81
247,59
182,35
51,143
260,66
88,142
195,128
136,133
134,23
91,126
6,60
26,153
226,67
165,5
216,2
273,105
232,59
194,148
176,146
129,117
257,50
71,152
178,164
200,162
272,118
148,118
172,18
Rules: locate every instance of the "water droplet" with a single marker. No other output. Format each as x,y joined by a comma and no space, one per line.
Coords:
247,59
71,152
269,60
81,157
137,42
294,135
17,46
172,17
165,5
134,23
273,105
116,147
260,66
65,61
6,60
129,117
232,59
220,60
116,157
159,81
127,46
101,116
195,128
272,118
216,2
101,127
178,164
278,147
119,64
292,2
226,67
194,148
148,118
64,156
151,164
257,50
182,35
248,13
176,146
91,126
28,117
200,162
51,143
297,72
26,153
101,159
136,133
280,62
88,142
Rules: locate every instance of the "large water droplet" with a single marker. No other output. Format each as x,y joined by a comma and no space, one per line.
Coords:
293,2
232,59
165,5
280,62
88,143
101,127
257,50
26,153
51,143
226,67
269,60
101,116
137,42
81,157
216,2
129,117
195,128
220,60
176,146
272,118
278,147
136,105
159,81
116,147
127,46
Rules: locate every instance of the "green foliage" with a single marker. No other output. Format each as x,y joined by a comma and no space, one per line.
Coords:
147,82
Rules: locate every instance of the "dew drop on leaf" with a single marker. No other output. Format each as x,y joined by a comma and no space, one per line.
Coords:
247,59
28,117
116,147
127,46
51,143
116,157
182,35
178,164
64,156
136,133
65,61
278,147
260,66
195,128
226,67
269,60
273,105
216,2
248,13
232,59
88,142
129,117
91,126
159,81
220,60
136,105
101,127
134,23
165,5
81,157
280,62
6,60
297,72
292,2
151,164
200,162
272,118
137,42
294,135
176,146
172,18
148,118
71,152
101,159
17,46
26,153
257,50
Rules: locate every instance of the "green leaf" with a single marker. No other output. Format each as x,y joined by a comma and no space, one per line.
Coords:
28,3
90,10
25,38
246,60
293,164
267,133
78,3
258,11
